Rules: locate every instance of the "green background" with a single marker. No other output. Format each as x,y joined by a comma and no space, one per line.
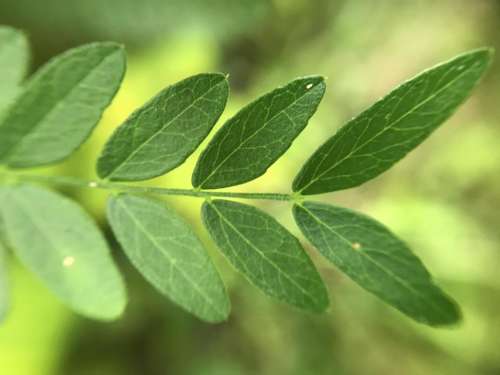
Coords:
442,199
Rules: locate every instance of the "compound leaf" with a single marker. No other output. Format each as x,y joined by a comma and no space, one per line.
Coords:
169,255
60,105
58,241
377,260
382,135
160,135
266,253
258,135
14,59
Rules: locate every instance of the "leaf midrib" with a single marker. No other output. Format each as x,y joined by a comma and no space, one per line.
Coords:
161,130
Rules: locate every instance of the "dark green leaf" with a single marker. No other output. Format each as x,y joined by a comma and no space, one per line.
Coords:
14,59
4,287
372,142
169,255
377,260
258,135
61,244
266,253
60,105
160,135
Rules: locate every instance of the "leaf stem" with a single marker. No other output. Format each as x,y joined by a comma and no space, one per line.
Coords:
120,187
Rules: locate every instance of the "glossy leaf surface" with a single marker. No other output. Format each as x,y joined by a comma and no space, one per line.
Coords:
377,260
266,253
160,135
252,140
371,143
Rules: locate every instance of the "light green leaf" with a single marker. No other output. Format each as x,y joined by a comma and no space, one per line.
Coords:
382,135
258,135
377,260
169,255
266,253
60,105
159,136
4,287
14,59
60,243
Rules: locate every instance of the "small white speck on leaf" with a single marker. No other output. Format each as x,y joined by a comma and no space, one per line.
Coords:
309,85
356,245
68,261
93,184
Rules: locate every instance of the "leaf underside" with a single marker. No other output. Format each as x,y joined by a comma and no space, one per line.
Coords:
382,135
61,244
252,140
166,251
160,135
60,105
266,253
377,260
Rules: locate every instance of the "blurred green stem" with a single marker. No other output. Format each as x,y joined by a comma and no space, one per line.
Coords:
11,176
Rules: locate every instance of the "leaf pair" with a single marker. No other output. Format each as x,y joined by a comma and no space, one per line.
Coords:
160,135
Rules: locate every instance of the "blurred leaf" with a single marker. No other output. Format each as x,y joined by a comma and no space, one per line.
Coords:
169,255
160,135
258,135
60,105
60,243
377,260
382,135
266,253
14,59
4,284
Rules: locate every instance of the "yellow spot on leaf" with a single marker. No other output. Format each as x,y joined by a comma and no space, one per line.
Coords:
356,245
68,261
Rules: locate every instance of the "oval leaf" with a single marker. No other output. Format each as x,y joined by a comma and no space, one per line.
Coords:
60,243
14,59
258,135
159,136
377,260
169,255
4,287
60,105
382,135
266,253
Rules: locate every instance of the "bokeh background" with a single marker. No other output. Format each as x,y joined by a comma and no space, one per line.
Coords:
443,199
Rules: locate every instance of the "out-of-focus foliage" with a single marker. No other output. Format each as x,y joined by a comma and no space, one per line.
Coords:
442,199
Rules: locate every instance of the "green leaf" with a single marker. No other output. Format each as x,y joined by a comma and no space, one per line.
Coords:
169,255
382,135
266,253
159,136
4,287
258,135
60,243
60,105
377,260
14,59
